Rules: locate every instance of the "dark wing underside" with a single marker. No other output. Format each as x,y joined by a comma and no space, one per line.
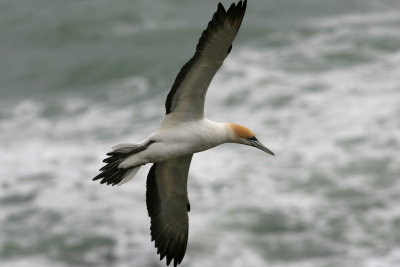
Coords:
167,205
189,90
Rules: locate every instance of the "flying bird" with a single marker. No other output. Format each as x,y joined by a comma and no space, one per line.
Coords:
183,131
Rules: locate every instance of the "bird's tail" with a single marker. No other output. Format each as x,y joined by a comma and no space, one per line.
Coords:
111,173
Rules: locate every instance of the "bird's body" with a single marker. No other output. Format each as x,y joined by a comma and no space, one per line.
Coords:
183,131
180,139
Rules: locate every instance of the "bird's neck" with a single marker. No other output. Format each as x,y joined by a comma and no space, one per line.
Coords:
223,131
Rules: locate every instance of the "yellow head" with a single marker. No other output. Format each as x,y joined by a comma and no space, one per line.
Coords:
243,135
241,131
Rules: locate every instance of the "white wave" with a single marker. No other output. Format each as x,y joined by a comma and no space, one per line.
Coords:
358,18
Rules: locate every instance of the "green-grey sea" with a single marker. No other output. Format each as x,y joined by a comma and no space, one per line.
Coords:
317,81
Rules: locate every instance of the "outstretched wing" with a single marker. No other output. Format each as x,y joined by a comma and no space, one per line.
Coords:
167,205
189,90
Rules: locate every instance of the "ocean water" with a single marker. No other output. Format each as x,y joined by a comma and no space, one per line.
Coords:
317,81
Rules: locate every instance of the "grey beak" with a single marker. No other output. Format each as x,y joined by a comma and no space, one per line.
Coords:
254,142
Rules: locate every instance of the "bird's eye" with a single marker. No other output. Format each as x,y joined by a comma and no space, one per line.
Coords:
253,138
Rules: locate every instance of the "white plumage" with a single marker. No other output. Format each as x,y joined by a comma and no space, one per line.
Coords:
179,139
183,131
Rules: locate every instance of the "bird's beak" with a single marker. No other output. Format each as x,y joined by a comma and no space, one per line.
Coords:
254,142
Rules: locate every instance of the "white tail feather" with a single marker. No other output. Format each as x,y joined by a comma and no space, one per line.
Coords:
132,172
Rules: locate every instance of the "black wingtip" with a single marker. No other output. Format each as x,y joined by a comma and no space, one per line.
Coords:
243,4
221,8
232,7
239,8
169,259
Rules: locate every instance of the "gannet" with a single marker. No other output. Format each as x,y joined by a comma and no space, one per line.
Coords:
183,131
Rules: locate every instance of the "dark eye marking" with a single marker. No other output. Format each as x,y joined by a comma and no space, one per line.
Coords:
188,206
253,138
229,49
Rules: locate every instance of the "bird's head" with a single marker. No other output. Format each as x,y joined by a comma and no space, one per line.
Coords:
245,136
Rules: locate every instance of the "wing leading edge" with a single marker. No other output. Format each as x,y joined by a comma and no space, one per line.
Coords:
190,87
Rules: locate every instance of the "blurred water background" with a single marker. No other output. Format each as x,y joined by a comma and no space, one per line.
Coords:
317,81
